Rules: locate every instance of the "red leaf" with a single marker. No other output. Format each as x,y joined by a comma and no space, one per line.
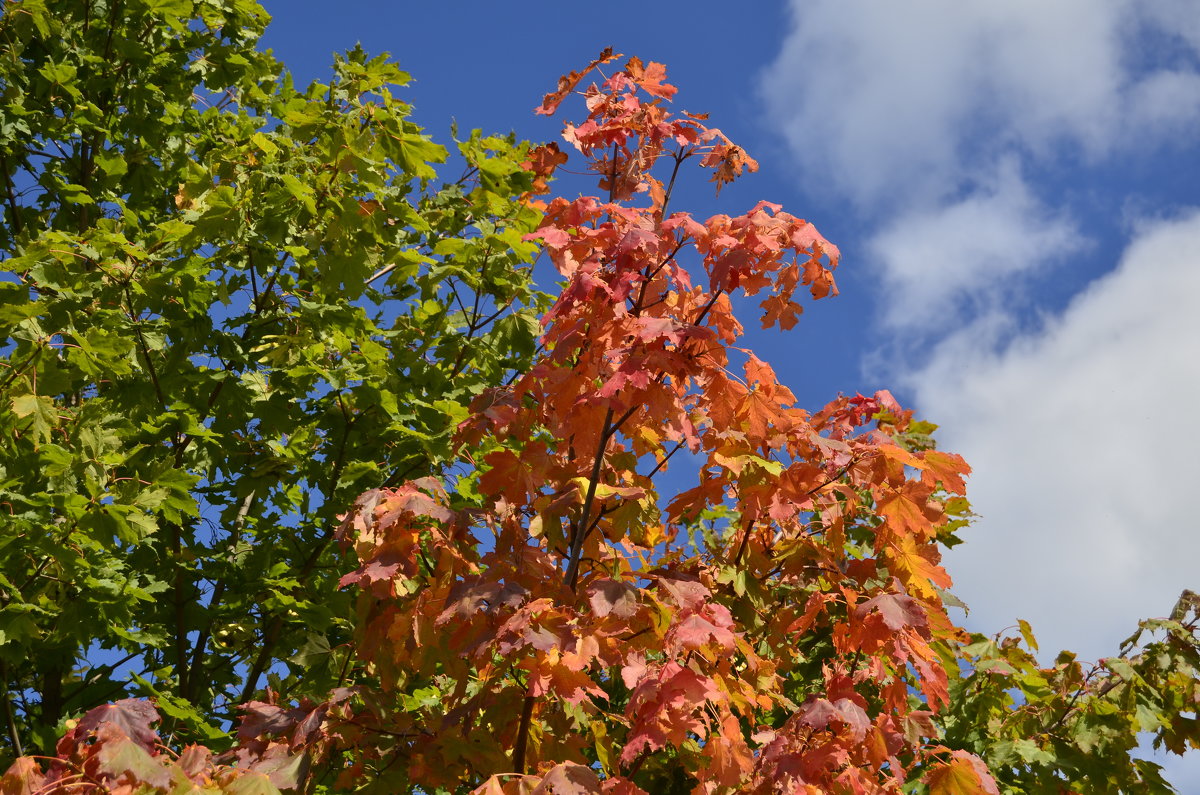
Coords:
133,716
897,610
261,719
907,513
616,785
666,706
375,571
697,631
194,761
818,713
567,83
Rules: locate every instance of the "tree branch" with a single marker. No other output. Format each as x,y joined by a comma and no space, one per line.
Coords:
581,528
218,594
741,550
145,349
519,748
14,736
18,229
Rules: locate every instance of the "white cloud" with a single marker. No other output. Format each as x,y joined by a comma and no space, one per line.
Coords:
1168,101
1083,443
939,264
942,122
892,103
1176,16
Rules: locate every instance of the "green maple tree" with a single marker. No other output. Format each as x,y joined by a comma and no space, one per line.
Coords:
228,306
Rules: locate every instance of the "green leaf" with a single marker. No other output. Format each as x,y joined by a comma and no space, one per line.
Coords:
39,411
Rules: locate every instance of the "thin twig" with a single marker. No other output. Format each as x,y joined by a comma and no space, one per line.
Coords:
14,736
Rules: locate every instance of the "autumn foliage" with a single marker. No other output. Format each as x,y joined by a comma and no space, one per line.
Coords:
582,630
547,620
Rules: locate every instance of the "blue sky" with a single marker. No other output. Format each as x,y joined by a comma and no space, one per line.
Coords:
1014,190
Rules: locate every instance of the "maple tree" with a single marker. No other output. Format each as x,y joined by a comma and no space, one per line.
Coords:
543,619
228,305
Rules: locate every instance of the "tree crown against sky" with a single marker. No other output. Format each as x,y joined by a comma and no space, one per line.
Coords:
784,620
230,305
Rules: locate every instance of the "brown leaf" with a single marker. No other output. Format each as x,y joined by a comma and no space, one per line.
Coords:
568,778
613,597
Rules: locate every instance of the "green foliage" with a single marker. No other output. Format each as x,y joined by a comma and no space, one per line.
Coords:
1072,726
228,306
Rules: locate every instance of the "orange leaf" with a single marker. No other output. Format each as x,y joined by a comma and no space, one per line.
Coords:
905,516
916,566
965,774
949,468
650,78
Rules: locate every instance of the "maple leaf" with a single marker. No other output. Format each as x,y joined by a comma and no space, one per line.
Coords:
664,706
475,595
697,631
730,760
782,311
898,611
900,455
650,77
250,782
569,778
280,765
948,468
23,777
687,594
193,761
381,569
964,774
933,677
261,719
728,162
132,716
560,675
551,236
121,757
818,713
542,162
567,83
616,785
916,566
612,597
650,329
909,511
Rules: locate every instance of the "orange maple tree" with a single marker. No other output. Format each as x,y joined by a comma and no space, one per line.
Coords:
777,627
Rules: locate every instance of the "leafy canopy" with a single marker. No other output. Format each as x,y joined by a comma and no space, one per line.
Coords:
228,306
542,618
